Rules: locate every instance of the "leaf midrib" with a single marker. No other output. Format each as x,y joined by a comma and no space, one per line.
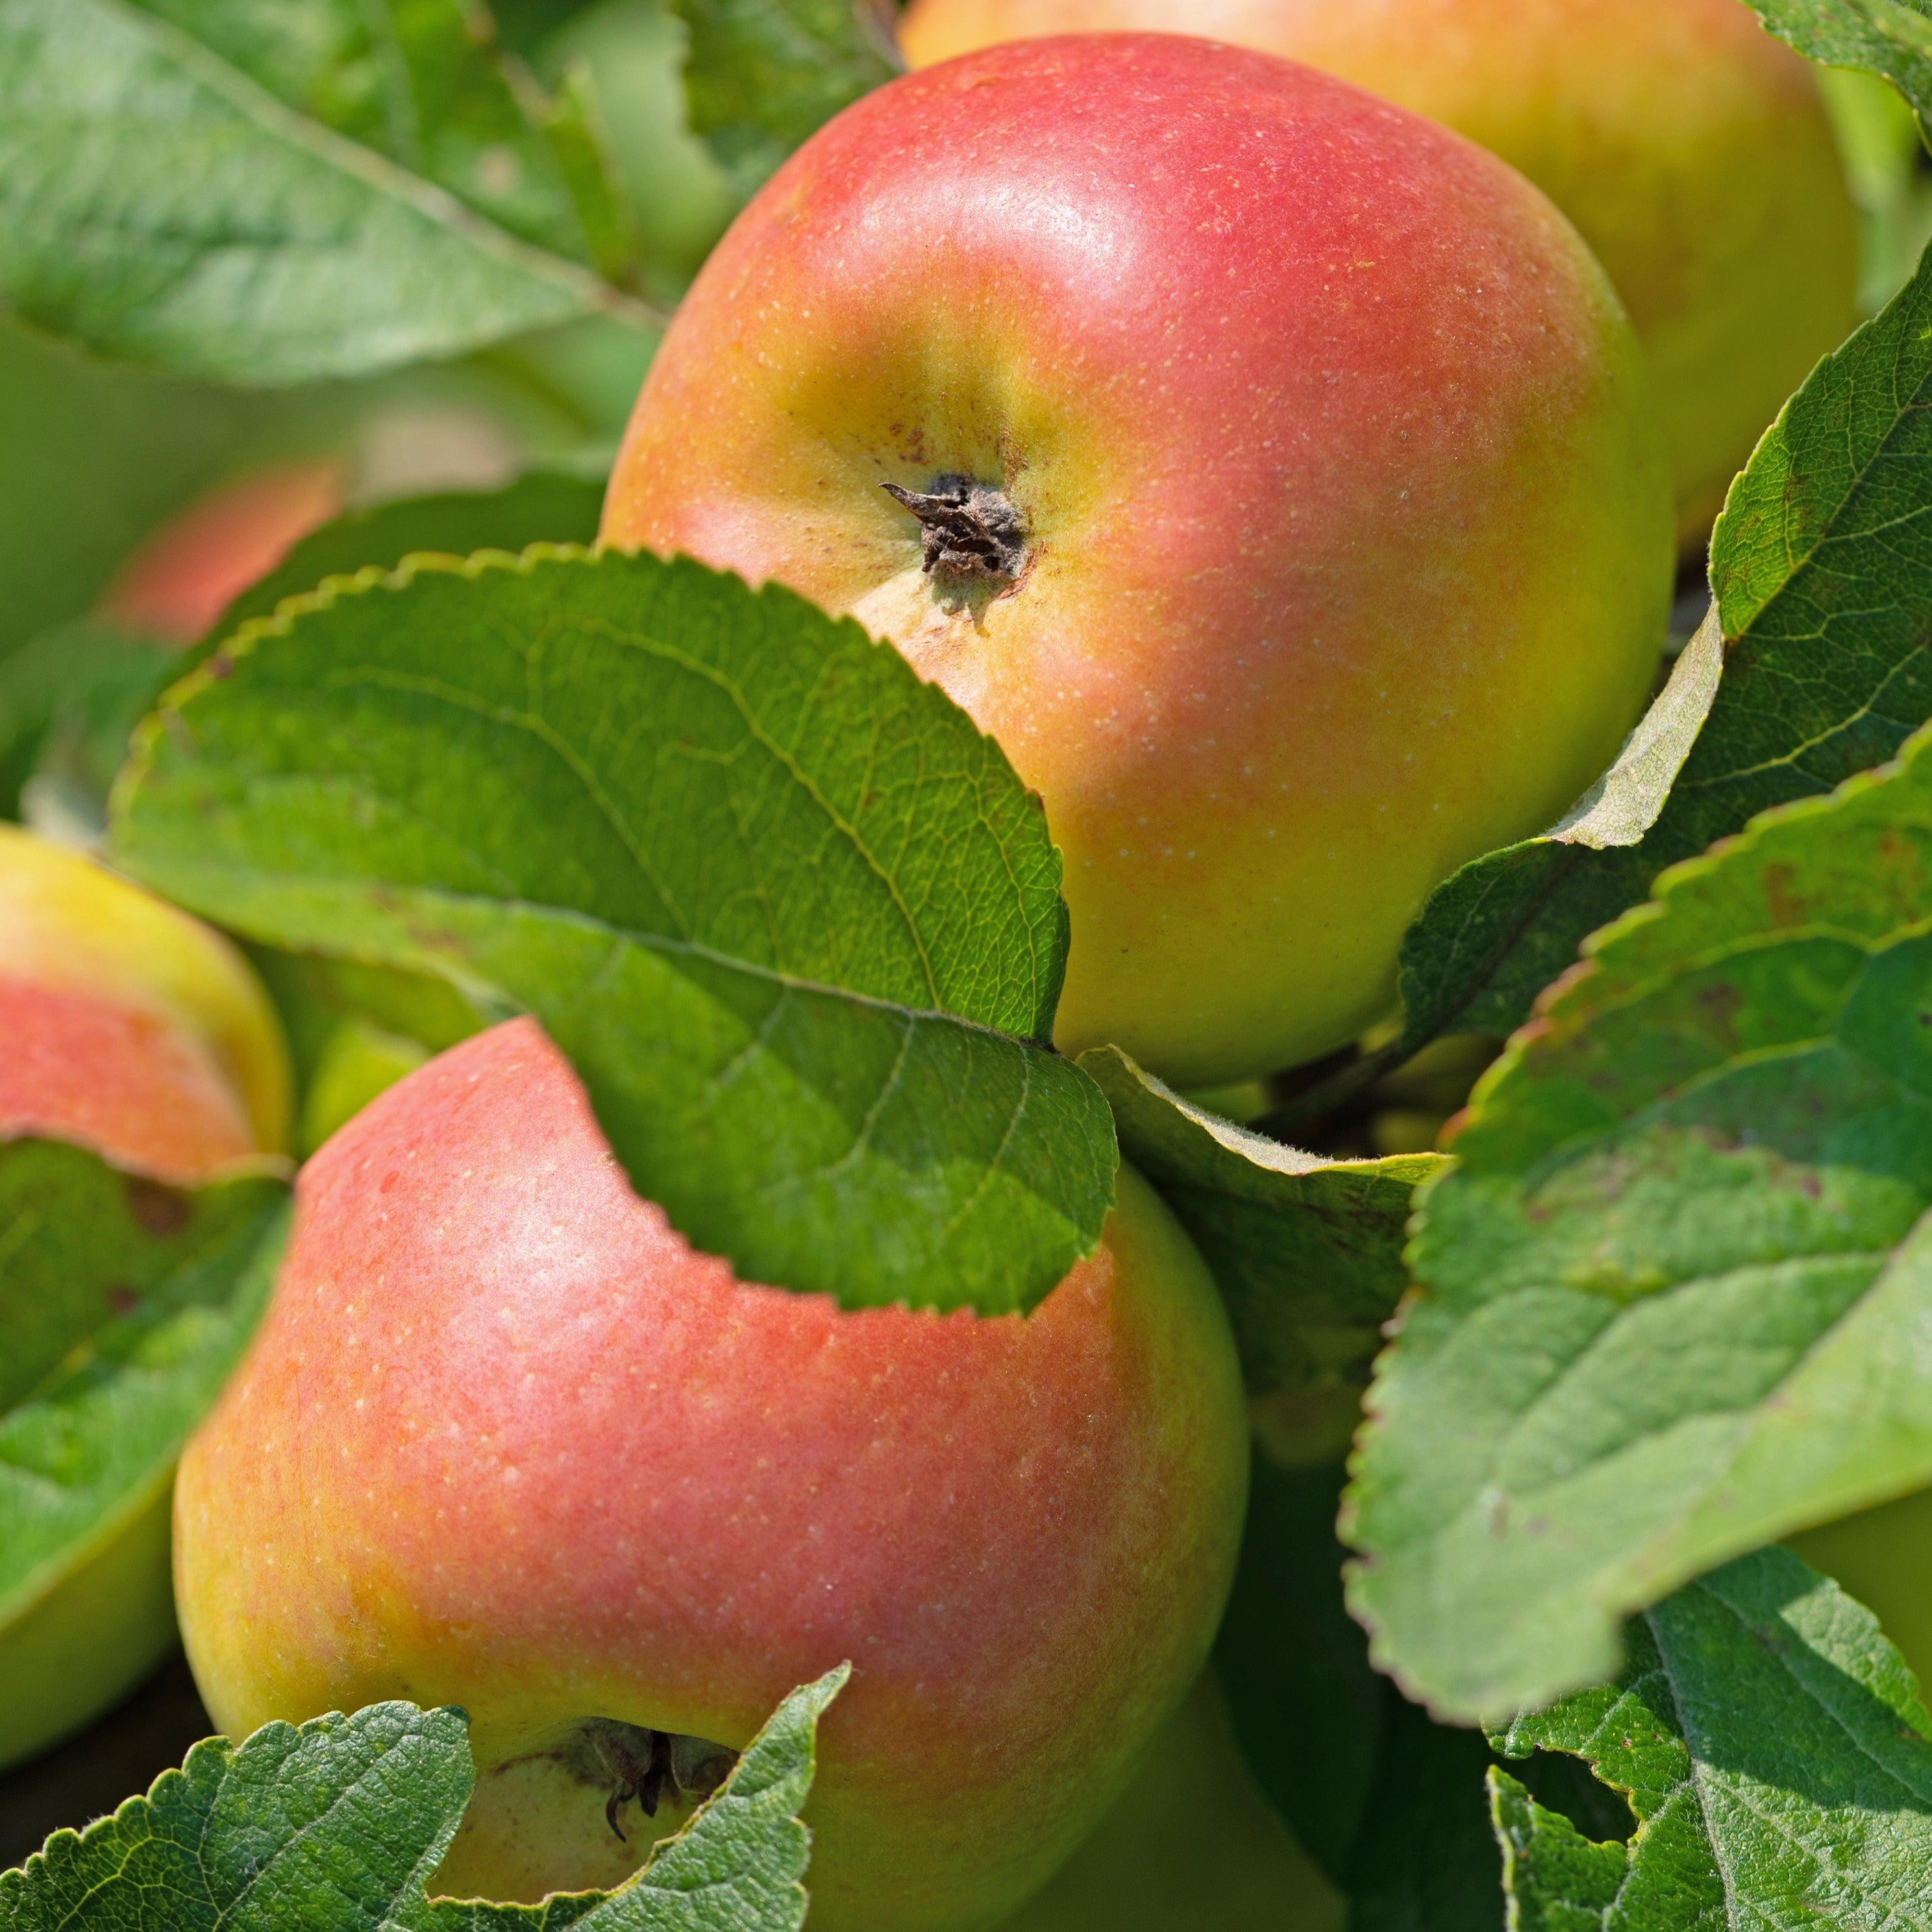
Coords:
374,171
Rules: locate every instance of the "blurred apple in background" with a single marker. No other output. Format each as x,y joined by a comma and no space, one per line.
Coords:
1272,473
1690,148
188,572
506,1441
128,1026
133,1030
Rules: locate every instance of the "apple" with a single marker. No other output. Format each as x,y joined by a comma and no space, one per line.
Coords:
134,1031
128,1026
1691,150
190,570
506,1441
1271,472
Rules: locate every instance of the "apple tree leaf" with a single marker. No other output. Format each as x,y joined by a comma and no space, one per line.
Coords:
92,456
738,1865
1307,1250
333,1009
123,1306
1630,798
69,700
789,912
341,1823
1822,568
1892,38
354,1029
1774,1750
123,1303
270,192
419,81
540,507
1390,1804
524,26
1664,1291
762,75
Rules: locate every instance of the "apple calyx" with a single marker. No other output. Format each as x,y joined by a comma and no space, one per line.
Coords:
972,529
632,1761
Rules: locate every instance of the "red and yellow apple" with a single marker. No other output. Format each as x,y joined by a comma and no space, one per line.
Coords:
130,1029
505,1440
1277,480
189,571
128,1026
1691,150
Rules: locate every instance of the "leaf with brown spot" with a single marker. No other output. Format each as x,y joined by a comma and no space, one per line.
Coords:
123,1306
1660,1293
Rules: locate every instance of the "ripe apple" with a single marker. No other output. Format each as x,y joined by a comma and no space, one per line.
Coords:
1691,150
1271,472
506,1441
134,1031
188,571
128,1026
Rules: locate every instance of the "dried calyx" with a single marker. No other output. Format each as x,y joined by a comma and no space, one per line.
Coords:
651,1766
972,529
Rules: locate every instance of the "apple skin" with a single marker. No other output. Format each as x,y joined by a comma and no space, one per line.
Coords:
188,572
132,1029
1350,539
506,1441
128,1026
1691,150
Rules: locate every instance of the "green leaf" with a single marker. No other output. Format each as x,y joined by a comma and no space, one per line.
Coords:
1630,798
1893,37
265,192
416,81
91,457
1662,1290
737,1866
69,701
329,1825
1307,1251
1421,1864
1391,1805
790,914
358,1061
342,1823
1774,1749
123,1306
538,507
1819,565
354,1030
762,75
1879,143
633,54
524,26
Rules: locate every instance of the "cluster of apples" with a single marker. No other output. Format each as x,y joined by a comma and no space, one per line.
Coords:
1282,479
